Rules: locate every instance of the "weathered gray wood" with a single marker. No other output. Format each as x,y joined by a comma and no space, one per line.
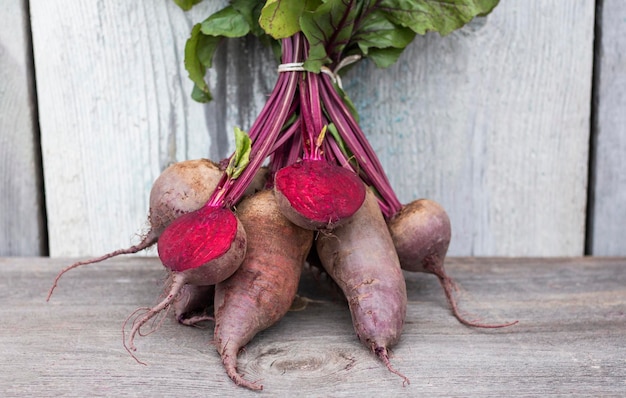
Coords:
570,339
21,205
608,225
492,122
115,110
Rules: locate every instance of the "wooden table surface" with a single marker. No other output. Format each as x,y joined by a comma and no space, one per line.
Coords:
570,340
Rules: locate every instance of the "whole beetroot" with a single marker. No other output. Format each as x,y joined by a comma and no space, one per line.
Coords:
181,188
421,234
261,291
360,257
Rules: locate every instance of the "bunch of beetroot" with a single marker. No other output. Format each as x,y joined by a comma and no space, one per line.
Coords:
303,184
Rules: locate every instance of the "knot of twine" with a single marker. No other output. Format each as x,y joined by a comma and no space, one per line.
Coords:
333,74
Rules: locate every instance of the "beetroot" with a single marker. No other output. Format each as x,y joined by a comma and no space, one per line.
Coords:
261,291
360,257
421,235
181,188
203,248
206,238
316,194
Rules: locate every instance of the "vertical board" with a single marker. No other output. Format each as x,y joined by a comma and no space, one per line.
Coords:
492,121
114,111
608,219
21,196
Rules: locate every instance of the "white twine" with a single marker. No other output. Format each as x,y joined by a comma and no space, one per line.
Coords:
333,74
291,67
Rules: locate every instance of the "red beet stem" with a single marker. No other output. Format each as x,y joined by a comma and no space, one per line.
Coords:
311,111
266,128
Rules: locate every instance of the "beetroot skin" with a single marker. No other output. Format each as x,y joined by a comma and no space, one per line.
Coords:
360,257
261,291
421,235
182,188
200,248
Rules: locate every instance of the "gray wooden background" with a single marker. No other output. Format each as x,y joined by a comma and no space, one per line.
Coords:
515,123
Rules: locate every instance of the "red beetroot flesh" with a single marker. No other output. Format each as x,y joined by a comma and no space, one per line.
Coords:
319,192
181,188
196,238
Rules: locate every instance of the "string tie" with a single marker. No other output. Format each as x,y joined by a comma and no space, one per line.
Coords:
333,74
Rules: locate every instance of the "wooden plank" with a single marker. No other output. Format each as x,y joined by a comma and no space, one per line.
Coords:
608,220
21,201
492,121
115,111
570,338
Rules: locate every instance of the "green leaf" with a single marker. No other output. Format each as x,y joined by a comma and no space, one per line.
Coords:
376,30
203,43
250,10
227,22
200,96
186,4
384,57
241,158
328,29
206,48
281,18
194,67
441,16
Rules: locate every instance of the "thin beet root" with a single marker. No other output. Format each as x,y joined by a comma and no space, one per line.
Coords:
181,188
421,234
383,354
178,281
196,320
229,360
449,286
146,242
